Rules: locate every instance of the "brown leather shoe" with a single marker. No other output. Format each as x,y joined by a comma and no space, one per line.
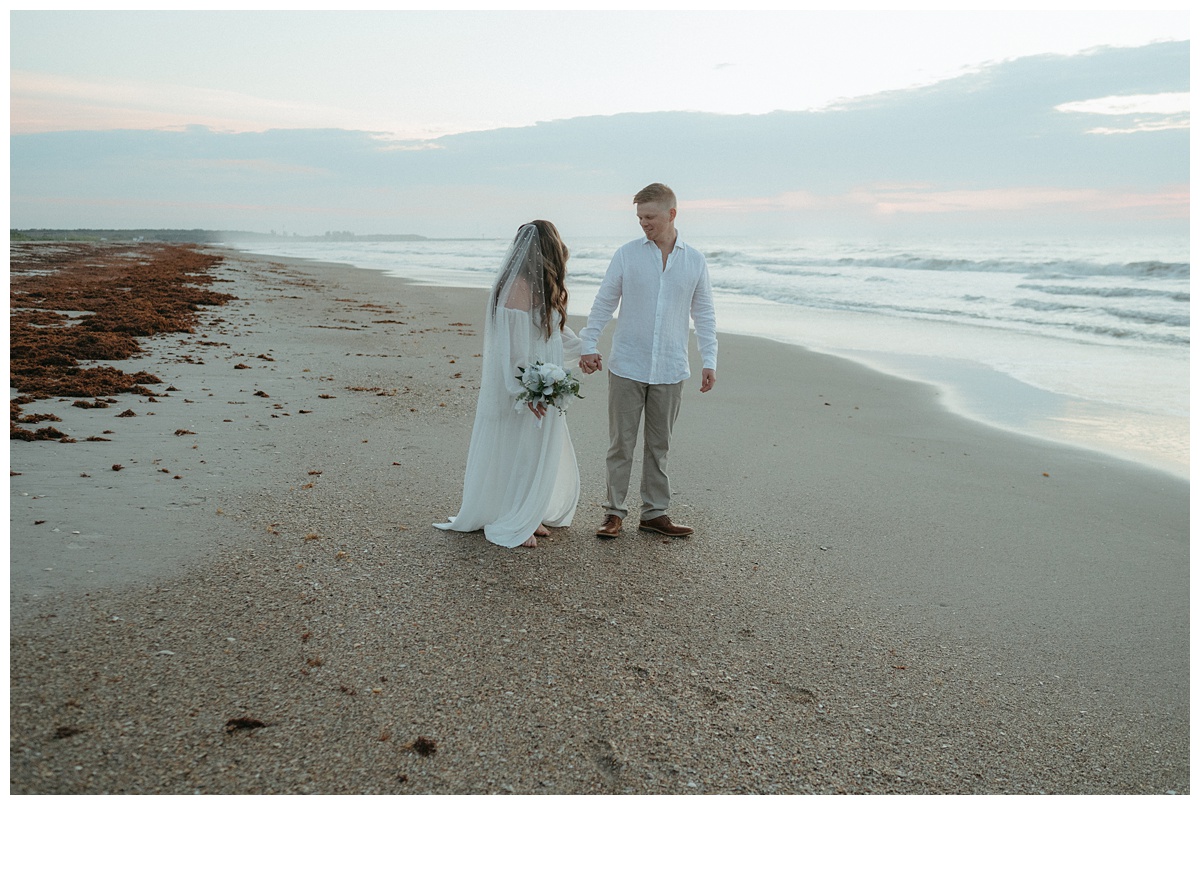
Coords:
611,527
664,526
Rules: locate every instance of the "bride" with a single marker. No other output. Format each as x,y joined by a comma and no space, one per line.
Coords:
521,472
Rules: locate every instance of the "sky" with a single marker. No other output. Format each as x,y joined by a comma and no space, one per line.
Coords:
393,122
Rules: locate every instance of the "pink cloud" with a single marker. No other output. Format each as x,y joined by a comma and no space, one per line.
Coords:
41,102
1171,202
786,202
117,203
887,200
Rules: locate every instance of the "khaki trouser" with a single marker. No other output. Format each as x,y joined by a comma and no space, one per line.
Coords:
627,402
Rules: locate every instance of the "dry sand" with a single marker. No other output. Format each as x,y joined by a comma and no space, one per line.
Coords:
880,597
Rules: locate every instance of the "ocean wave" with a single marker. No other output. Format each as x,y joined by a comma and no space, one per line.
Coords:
723,256
1137,335
1166,269
1116,292
1049,269
1028,290
1149,317
1048,306
784,270
1146,317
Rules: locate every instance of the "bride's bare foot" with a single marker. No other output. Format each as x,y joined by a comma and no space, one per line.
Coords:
532,542
541,532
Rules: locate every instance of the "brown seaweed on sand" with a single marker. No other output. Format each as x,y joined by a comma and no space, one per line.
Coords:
41,433
119,292
422,746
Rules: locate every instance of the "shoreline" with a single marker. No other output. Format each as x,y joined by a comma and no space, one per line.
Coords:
999,401
881,597
978,391
1155,438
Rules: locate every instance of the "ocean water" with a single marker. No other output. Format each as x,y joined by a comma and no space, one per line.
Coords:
1079,341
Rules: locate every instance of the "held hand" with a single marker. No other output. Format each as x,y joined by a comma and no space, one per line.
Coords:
539,409
590,362
708,378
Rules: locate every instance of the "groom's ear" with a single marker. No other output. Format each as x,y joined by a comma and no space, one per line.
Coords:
673,211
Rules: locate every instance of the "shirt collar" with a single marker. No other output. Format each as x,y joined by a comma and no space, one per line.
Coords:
678,240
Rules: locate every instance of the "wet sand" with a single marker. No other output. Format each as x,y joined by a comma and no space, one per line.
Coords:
880,597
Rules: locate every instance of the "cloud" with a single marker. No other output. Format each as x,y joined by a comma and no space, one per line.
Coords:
1172,202
43,102
1159,125
783,202
923,199
1163,103
991,147
1144,113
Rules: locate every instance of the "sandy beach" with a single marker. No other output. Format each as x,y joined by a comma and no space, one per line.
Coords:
880,597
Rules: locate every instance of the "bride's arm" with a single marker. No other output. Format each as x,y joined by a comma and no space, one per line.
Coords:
572,347
512,334
519,356
516,357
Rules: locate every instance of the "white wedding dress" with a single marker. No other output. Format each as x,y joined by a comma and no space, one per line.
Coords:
519,475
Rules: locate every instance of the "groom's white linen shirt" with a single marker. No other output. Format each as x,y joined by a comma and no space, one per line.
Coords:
650,342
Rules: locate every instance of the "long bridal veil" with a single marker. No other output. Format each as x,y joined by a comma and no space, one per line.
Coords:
519,475
518,311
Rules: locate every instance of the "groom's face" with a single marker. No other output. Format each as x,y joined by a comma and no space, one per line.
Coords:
655,219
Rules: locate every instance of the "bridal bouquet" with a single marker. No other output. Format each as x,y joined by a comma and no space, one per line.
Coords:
547,383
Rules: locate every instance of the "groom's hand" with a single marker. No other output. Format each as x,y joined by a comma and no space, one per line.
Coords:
708,378
590,362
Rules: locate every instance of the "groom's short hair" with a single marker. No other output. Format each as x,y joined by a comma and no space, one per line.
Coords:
656,193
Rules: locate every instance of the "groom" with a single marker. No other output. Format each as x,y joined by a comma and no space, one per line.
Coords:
658,281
